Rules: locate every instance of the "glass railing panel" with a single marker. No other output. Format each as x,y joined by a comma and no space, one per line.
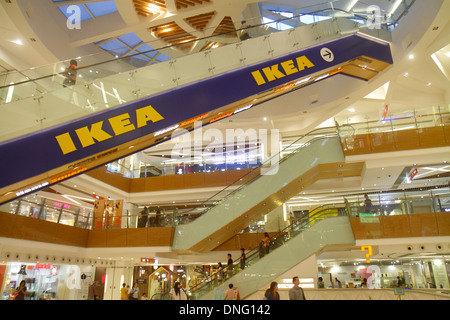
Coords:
229,206
262,265
192,68
104,92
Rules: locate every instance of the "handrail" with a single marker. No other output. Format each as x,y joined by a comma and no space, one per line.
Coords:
251,255
342,132
189,41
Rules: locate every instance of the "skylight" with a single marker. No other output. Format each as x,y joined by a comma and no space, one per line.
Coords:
90,10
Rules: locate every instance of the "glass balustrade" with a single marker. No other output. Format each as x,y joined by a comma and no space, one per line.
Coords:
406,120
261,251
42,99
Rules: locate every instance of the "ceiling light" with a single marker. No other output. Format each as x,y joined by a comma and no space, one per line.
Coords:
411,56
351,109
428,84
18,42
405,74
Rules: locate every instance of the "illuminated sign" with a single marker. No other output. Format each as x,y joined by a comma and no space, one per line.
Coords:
68,175
198,118
221,117
120,124
289,67
148,260
160,132
59,204
43,266
34,188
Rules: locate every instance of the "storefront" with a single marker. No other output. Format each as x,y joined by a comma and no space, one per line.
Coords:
47,281
413,273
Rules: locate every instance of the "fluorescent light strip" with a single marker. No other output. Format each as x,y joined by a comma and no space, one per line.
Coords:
10,93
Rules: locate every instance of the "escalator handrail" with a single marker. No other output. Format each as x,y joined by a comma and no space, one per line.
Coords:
236,263
184,43
268,161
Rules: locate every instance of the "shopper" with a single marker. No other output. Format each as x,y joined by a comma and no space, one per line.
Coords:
229,266
134,292
177,292
232,293
242,258
368,204
266,241
21,291
220,272
320,283
70,74
338,282
124,292
296,293
93,293
272,293
144,296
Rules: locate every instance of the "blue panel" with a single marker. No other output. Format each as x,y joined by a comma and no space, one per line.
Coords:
149,51
102,8
115,47
130,39
39,152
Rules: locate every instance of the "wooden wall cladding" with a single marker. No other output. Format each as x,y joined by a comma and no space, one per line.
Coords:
402,226
21,227
140,237
421,138
173,182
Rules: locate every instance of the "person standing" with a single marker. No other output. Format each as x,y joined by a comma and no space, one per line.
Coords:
93,293
266,242
20,291
296,292
367,204
124,292
70,74
242,258
229,266
177,292
134,292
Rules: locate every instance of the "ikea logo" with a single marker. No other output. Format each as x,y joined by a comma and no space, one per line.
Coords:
281,70
120,124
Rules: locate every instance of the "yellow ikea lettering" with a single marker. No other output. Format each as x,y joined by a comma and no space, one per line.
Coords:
96,132
90,135
274,72
121,124
145,115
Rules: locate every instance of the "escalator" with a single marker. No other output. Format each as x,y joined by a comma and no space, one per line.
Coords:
289,247
320,156
54,136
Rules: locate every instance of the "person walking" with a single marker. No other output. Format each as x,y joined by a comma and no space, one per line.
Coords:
272,293
296,292
231,293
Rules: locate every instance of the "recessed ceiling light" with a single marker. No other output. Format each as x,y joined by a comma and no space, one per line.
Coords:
429,84
18,42
405,74
411,56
